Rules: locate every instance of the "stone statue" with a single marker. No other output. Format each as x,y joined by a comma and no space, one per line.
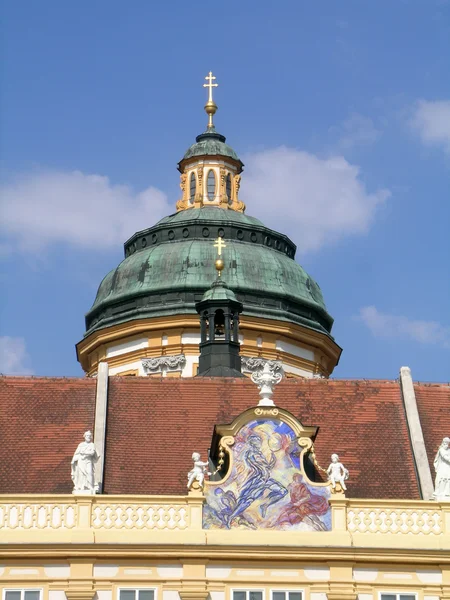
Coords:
442,466
198,472
337,472
83,469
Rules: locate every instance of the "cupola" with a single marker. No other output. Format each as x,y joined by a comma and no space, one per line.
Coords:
210,169
219,311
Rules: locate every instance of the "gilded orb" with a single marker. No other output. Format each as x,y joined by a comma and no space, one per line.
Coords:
219,264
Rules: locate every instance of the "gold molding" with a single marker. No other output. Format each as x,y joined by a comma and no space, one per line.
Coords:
231,429
92,349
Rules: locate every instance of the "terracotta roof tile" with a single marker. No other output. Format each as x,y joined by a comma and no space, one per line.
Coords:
433,403
154,425
41,422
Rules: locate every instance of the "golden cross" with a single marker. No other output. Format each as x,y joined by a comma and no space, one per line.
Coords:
219,245
210,85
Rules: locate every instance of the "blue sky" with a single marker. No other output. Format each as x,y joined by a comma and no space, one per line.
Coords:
340,110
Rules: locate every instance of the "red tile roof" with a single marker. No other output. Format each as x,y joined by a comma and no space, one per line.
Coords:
433,403
154,425
41,422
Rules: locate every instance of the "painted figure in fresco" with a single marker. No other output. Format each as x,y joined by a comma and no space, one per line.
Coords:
198,472
303,506
337,472
228,502
442,467
83,465
258,481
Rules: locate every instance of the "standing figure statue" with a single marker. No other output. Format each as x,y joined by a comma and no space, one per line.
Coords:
83,469
442,466
337,472
198,472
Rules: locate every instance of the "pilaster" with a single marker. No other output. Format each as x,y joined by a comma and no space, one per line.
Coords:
194,580
341,585
80,584
101,409
416,435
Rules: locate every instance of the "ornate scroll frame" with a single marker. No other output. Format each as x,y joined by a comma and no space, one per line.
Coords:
224,437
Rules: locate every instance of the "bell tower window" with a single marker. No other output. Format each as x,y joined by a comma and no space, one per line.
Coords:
211,185
228,188
192,187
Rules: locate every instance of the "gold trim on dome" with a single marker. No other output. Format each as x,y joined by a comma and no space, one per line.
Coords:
260,338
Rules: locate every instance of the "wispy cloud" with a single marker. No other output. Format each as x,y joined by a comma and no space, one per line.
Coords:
313,200
388,326
431,121
84,211
357,130
14,359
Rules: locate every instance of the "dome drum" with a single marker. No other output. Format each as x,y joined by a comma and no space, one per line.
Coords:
174,231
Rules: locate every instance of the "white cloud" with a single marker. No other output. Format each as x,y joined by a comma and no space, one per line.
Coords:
387,326
85,211
313,200
13,356
357,130
431,121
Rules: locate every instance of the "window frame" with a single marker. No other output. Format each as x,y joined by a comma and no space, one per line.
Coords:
398,594
22,591
288,591
144,588
248,589
228,179
211,170
192,178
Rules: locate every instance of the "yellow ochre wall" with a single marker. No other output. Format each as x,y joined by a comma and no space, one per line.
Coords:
164,336
85,548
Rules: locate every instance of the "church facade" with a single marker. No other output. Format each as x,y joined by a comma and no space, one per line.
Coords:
207,455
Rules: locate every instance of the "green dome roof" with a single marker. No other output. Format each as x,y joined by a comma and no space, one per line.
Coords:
169,267
219,291
211,143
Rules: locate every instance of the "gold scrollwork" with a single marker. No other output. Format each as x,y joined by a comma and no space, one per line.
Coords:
263,412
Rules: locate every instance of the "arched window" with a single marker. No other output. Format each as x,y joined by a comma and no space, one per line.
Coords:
211,185
192,187
228,188
219,323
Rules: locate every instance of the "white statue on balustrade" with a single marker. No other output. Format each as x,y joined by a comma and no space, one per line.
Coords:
198,472
442,466
83,466
337,472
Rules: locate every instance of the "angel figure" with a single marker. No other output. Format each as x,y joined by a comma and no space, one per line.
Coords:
337,472
198,472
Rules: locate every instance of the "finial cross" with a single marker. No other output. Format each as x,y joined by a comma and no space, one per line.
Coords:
219,245
210,78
